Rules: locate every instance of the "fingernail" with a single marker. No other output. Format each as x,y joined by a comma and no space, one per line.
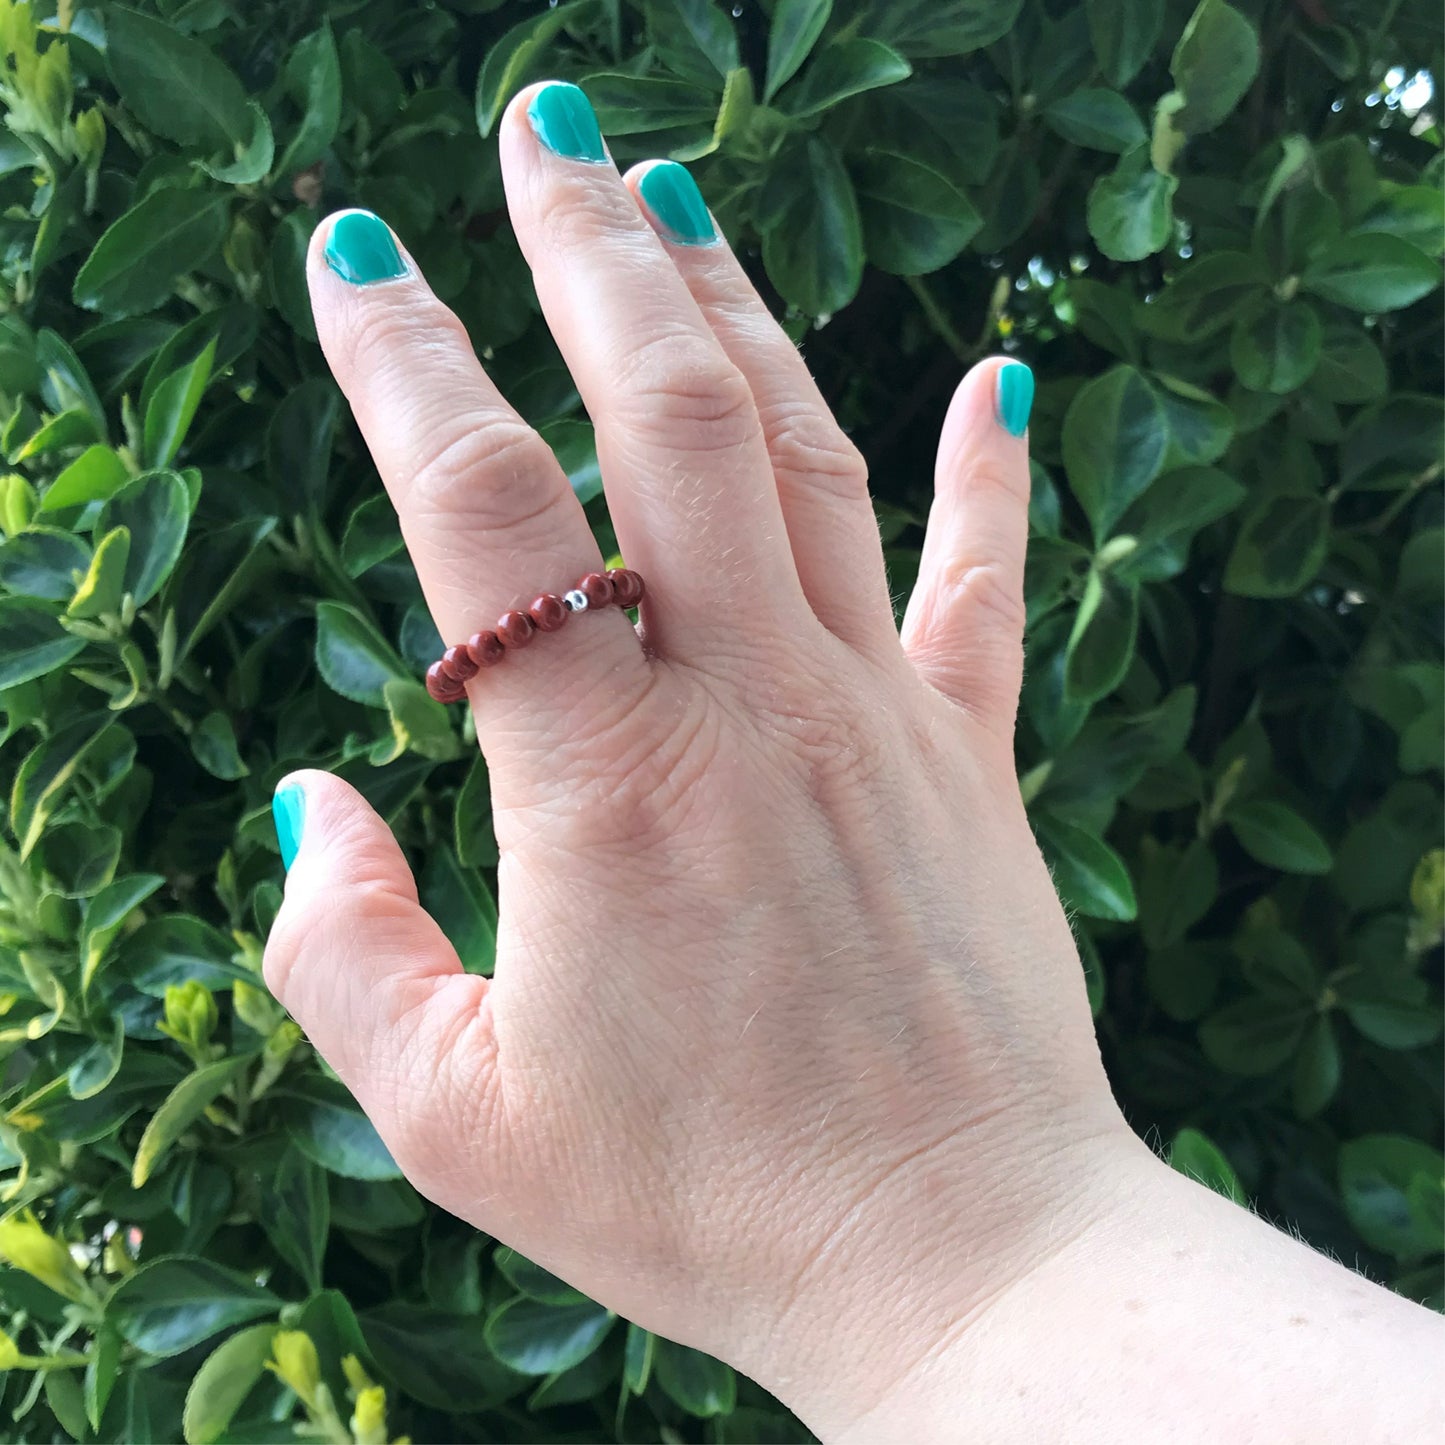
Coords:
360,249
565,122
288,807
1015,397
674,199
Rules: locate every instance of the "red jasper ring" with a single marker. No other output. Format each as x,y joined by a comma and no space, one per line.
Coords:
447,678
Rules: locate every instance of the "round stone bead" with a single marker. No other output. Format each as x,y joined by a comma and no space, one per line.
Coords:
597,588
441,685
515,629
575,600
485,648
548,611
457,662
627,586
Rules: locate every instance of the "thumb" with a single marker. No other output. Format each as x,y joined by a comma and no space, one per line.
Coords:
964,626
368,973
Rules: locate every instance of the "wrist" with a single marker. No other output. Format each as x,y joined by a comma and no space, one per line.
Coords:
869,1340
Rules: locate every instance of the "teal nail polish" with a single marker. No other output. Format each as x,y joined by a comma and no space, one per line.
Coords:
673,197
1015,397
288,807
360,249
565,123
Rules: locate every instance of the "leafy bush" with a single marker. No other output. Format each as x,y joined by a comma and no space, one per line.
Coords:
1214,232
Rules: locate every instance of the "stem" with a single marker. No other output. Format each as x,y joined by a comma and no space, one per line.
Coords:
938,319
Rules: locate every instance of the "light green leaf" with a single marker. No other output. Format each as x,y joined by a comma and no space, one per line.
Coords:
1131,210
221,1385
1198,1156
1101,645
156,510
97,473
328,1128
172,408
103,586
1277,836
184,1105
812,234
512,60
313,77
1089,875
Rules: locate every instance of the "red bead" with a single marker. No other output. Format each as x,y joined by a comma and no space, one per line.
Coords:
597,588
485,648
548,611
441,685
458,662
515,629
626,586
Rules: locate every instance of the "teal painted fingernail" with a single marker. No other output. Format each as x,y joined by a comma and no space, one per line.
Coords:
360,249
1015,397
565,123
288,807
673,197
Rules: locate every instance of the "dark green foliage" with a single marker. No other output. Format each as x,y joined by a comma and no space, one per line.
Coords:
1215,233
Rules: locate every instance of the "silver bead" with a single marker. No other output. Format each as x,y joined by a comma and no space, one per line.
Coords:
576,600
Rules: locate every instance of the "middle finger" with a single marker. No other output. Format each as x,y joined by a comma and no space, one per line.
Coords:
689,482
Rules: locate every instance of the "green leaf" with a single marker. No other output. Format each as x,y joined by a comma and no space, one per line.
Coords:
841,69
183,1107
812,235
1391,1186
137,262
637,1358
1124,33
352,656
42,562
698,1383
298,442
295,1212
1371,273
796,26
1114,442
1413,213
172,408
174,948
175,85
372,535
250,157
534,1281
213,745
156,510
1316,1069
1198,1156
313,77
1278,837
1214,64
419,724
93,1071
459,900
330,1130
1101,644
32,642
102,589
1184,978
695,38
1351,368
538,1339
1166,518
441,1359
914,221
1396,1013
1090,876
1280,547
513,59
922,28
1276,347
633,104
179,1301
1255,1036
1205,297
1101,120
220,1387
97,473
105,913
1131,210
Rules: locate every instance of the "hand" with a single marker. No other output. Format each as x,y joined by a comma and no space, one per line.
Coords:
787,1055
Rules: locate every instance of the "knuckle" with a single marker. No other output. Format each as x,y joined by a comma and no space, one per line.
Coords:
492,473
574,214
986,588
990,474
806,443
677,380
400,334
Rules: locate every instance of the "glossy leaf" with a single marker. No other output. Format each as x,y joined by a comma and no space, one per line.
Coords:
174,1303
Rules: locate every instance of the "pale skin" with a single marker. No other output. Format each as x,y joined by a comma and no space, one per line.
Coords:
787,1054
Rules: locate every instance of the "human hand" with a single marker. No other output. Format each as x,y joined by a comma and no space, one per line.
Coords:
787,1053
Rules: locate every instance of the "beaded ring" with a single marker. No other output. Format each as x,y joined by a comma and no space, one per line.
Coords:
446,679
